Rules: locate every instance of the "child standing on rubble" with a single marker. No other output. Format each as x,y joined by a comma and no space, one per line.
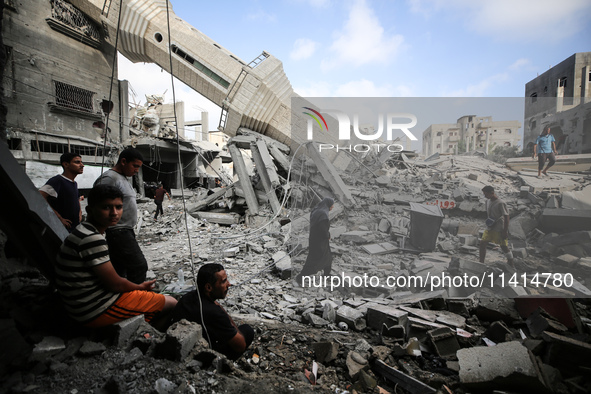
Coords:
319,254
497,225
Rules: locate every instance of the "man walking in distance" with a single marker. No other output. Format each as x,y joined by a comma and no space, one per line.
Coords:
126,255
545,149
497,225
61,191
159,198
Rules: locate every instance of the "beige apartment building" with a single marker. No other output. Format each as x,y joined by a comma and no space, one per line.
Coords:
469,133
560,98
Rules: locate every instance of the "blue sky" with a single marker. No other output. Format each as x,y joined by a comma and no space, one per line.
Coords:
396,48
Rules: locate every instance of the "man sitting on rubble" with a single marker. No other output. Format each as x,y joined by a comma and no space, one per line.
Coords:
497,225
92,291
200,305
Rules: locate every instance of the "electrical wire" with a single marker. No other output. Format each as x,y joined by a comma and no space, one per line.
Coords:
181,177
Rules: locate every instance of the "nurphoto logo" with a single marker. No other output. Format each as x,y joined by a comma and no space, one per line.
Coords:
394,122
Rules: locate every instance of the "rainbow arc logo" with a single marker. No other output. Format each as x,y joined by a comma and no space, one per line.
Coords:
315,118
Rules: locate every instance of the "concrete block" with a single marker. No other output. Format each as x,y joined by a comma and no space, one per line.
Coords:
379,314
325,351
444,341
351,316
493,309
566,260
283,264
125,329
524,191
468,239
180,339
506,366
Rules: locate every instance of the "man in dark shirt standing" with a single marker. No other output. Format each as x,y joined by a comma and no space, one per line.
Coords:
221,332
159,198
61,191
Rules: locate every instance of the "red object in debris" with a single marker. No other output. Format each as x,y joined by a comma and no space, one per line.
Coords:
147,335
310,376
559,308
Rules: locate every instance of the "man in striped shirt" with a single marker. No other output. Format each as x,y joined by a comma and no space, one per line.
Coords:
92,291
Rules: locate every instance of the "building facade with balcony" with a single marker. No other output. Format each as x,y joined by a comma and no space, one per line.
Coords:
469,133
560,98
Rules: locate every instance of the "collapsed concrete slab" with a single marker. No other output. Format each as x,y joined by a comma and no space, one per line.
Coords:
506,366
565,220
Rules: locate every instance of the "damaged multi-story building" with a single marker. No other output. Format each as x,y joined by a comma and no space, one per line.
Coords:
62,94
559,98
469,133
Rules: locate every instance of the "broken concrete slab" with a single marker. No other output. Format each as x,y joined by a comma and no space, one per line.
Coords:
377,315
379,249
399,378
506,366
564,353
565,220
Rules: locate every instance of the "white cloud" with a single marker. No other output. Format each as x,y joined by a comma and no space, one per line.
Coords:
360,88
523,20
303,48
262,16
363,88
520,64
479,89
362,40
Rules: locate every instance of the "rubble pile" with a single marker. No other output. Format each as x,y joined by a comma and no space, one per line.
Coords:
399,338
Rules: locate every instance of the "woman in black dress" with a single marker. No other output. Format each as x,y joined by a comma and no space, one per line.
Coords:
319,254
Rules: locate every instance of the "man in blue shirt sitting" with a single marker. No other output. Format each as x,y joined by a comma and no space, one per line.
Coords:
545,149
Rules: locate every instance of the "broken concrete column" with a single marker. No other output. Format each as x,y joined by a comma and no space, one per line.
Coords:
506,366
266,170
331,175
245,183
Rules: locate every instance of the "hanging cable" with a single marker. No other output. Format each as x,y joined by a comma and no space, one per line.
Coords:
111,87
181,175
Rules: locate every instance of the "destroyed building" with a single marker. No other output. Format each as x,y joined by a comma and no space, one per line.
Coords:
560,98
397,215
470,132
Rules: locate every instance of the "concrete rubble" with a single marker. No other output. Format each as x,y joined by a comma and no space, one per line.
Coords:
401,338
